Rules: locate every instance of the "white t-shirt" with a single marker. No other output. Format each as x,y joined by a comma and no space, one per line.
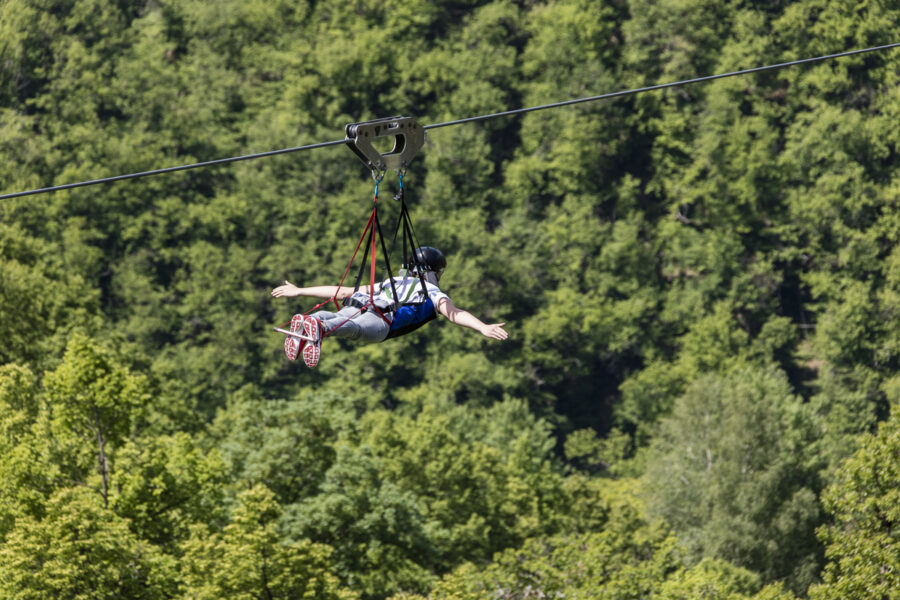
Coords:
409,290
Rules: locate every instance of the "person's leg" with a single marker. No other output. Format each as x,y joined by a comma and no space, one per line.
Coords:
326,316
351,323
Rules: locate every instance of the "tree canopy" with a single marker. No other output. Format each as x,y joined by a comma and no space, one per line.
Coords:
698,395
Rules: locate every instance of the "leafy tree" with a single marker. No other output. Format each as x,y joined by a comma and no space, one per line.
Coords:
83,429
483,481
79,549
38,295
166,483
861,542
66,433
21,478
627,558
375,527
715,579
734,471
411,496
590,454
97,399
250,559
286,445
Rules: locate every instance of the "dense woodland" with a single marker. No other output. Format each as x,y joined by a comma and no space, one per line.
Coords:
701,285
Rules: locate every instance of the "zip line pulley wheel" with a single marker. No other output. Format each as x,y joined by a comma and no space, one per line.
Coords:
409,137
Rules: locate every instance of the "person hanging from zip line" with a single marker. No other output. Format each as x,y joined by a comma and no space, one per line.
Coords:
420,301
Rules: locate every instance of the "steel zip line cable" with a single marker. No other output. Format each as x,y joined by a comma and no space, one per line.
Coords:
660,86
485,117
207,163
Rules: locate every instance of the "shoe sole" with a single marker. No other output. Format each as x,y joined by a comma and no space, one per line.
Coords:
312,350
292,345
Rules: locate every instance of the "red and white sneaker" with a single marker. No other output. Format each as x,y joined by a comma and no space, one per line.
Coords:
313,349
293,345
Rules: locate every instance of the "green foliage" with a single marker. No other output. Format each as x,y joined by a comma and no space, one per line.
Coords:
249,559
373,525
713,579
584,450
66,433
81,550
861,542
92,391
410,496
711,267
20,470
286,445
628,558
85,428
37,296
94,402
166,483
485,479
734,472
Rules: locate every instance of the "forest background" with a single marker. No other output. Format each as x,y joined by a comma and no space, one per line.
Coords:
702,290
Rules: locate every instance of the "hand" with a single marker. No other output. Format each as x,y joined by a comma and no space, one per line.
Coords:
495,331
287,290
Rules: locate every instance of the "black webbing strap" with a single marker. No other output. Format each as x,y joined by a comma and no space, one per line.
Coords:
421,266
402,220
365,257
410,242
387,263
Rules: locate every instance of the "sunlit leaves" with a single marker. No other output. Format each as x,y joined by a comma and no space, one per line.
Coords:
862,546
249,559
82,550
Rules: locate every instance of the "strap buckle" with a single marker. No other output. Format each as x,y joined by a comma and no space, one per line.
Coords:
363,306
409,137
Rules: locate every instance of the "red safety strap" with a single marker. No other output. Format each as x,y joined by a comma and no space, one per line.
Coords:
369,229
373,255
369,224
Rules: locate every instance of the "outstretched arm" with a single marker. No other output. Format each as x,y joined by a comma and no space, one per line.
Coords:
467,319
320,291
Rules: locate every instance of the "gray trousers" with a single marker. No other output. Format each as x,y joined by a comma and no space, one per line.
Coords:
352,324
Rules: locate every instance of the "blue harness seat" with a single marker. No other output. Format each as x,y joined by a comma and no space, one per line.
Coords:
410,317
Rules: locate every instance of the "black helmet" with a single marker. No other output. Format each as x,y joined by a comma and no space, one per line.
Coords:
429,259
